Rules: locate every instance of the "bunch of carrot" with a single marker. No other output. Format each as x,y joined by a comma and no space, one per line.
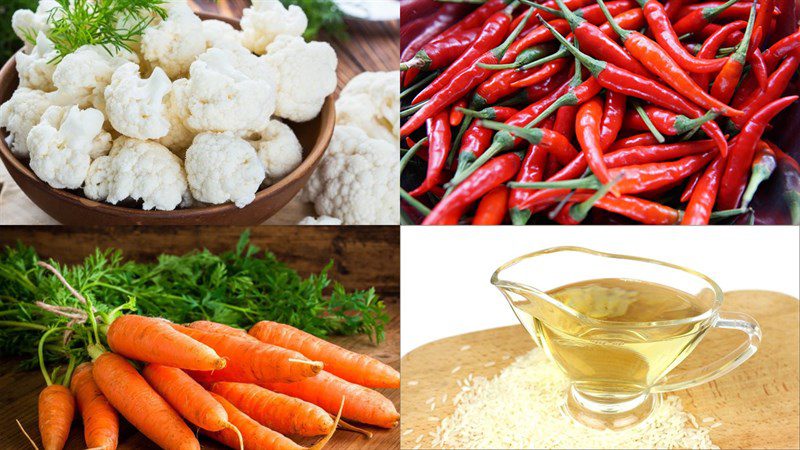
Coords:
244,389
552,110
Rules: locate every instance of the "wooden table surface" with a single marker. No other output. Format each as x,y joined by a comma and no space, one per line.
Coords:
365,256
371,47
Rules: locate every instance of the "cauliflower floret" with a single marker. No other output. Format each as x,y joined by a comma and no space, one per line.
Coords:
322,220
222,168
268,19
176,42
27,23
180,137
82,76
61,145
221,34
306,75
135,107
100,145
229,91
139,170
371,101
21,113
358,180
279,150
36,70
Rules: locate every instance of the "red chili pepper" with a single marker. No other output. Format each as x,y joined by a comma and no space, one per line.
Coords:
477,138
613,116
660,62
587,128
695,20
536,36
412,9
492,174
459,86
673,7
565,120
711,46
737,11
634,141
728,77
456,115
633,19
533,94
589,13
555,143
438,54
742,149
426,30
547,70
501,84
764,163
638,209
614,78
776,86
533,168
762,22
781,49
493,207
698,211
758,66
439,139
492,34
665,121
691,183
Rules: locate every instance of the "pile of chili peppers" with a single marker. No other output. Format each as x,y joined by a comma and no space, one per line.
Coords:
587,111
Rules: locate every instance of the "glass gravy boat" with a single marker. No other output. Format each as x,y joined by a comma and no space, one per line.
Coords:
616,369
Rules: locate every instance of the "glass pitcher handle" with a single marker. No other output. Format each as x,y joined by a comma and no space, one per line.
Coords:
733,321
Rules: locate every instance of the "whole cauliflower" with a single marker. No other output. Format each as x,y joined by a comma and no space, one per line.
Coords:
135,107
221,34
27,23
306,75
36,69
61,146
176,42
229,91
279,150
222,168
371,101
179,137
268,19
21,113
358,181
139,170
322,220
82,76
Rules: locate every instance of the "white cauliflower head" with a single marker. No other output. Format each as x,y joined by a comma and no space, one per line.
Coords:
180,137
219,34
306,75
28,24
279,150
371,101
82,76
229,91
322,220
61,146
176,42
223,168
268,19
358,180
21,113
138,170
36,69
135,107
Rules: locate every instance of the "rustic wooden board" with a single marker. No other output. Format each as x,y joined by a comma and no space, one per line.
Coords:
757,403
365,256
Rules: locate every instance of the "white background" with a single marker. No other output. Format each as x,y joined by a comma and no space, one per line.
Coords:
445,271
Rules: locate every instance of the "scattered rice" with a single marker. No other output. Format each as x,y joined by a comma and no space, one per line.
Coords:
506,357
408,431
519,408
465,348
455,369
433,419
430,400
433,406
708,419
412,383
417,446
444,397
489,364
715,425
419,438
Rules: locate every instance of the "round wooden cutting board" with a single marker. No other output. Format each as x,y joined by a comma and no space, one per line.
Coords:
757,404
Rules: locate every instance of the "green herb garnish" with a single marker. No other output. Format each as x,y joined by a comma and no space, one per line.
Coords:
322,15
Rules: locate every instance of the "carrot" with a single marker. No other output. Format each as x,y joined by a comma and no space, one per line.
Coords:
56,411
214,327
100,420
257,436
284,414
130,394
327,391
251,361
153,340
191,401
350,366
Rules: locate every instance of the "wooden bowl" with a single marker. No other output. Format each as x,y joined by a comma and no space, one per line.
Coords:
70,207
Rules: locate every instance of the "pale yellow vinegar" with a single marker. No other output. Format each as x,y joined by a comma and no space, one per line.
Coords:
614,360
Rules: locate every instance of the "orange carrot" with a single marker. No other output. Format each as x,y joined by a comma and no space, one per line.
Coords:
350,366
214,327
327,391
251,361
154,340
130,394
100,420
56,411
284,414
257,436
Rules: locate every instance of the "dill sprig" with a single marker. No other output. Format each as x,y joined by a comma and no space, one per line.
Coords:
112,24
